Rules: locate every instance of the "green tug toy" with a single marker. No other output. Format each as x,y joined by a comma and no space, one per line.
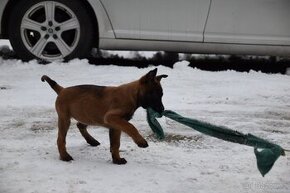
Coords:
266,152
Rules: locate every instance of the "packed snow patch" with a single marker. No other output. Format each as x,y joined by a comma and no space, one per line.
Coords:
186,161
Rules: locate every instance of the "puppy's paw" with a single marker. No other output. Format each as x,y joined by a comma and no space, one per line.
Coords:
120,161
93,142
66,157
142,144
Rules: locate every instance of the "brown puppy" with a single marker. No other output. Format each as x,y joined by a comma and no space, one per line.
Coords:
110,107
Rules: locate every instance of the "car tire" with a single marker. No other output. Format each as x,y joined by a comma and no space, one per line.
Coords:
51,30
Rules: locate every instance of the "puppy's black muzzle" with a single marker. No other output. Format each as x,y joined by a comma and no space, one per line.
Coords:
159,109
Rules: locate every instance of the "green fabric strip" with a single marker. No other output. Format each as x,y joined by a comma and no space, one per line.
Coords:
266,152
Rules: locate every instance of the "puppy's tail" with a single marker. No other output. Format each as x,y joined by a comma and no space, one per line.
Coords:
57,88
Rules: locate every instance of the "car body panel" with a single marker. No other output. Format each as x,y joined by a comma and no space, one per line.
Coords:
182,20
257,27
249,22
104,24
194,47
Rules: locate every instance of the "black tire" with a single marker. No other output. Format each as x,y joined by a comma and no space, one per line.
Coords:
82,47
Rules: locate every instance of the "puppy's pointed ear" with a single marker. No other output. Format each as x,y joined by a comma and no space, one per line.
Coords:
150,76
152,73
159,77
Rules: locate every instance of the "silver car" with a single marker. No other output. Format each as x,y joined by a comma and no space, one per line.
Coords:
65,29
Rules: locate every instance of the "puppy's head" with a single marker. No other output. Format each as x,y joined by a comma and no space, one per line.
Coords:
151,91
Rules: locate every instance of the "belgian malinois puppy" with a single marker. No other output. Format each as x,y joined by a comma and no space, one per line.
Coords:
107,106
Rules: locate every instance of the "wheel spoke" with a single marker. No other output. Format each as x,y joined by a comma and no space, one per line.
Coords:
70,24
49,10
30,24
38,48
63,47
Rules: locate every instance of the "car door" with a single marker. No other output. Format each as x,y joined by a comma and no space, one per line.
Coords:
182,20
249,22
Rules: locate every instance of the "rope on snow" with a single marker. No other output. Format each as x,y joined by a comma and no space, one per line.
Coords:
266,152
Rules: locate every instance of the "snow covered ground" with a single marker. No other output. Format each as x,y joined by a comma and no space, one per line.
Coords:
186,161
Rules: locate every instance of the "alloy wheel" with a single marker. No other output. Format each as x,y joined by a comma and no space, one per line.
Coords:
50,30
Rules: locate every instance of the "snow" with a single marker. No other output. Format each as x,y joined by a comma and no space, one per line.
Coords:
186,161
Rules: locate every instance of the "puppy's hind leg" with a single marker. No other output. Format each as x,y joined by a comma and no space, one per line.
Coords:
115,135
90,140
63,126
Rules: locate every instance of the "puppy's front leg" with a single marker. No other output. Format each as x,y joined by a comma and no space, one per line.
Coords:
116,122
